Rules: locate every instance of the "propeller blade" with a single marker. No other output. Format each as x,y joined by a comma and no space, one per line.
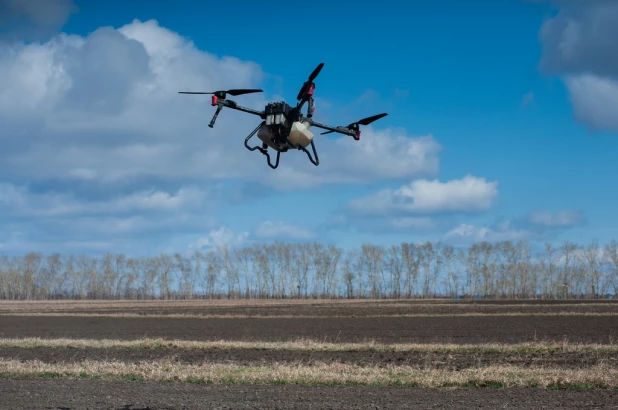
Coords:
369,120
315,72
230,92
364,121
307,83
243,91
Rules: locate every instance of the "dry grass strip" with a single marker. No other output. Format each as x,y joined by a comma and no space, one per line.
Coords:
320,374
309,345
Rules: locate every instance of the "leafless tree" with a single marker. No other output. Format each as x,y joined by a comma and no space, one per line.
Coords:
283,270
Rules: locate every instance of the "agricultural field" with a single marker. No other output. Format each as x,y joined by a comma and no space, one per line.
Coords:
309,354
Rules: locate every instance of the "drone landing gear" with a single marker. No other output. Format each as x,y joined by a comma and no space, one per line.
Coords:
264,151
315,162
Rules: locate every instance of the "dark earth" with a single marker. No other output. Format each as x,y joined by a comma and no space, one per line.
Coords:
88,394
450,329
325,308
332,322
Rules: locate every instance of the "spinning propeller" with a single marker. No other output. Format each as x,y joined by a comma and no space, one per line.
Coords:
355,125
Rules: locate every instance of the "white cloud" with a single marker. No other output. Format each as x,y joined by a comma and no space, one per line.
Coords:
19,201
580,45
105,108
470,194
466,234
536,225
560,219
411,222
595,101
280,229
222,236
99,147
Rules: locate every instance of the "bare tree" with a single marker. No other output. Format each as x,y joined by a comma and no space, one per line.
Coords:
452,279
396,266
611,259
567,272
282,270
591,256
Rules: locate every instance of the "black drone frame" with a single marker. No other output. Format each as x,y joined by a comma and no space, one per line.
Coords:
305,95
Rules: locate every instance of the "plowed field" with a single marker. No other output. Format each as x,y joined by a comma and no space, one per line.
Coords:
309,354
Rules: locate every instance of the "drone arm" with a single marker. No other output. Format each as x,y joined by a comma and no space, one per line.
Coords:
231,104
340,130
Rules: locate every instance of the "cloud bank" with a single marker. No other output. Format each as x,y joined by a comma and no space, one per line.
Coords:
99,147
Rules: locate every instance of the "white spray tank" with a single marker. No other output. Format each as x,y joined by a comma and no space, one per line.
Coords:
300,134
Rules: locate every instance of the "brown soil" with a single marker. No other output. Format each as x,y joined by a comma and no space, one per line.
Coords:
453,329
252,357
308,308
81,394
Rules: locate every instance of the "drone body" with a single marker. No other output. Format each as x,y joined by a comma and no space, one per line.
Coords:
284,127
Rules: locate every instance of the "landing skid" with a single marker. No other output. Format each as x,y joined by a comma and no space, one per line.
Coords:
315,162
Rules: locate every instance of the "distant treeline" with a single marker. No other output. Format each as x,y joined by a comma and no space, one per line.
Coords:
314,270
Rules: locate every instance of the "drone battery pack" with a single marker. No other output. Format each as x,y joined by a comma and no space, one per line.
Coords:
300,134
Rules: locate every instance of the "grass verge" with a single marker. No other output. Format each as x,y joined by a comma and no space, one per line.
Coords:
311,345
321,374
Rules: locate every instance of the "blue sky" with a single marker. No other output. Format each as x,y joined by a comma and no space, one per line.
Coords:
502,123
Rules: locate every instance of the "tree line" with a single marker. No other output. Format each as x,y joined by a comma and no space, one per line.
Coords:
315,270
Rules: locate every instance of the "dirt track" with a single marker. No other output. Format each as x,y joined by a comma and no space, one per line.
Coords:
69,394
454,329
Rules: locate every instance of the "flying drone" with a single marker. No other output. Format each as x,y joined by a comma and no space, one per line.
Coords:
284,127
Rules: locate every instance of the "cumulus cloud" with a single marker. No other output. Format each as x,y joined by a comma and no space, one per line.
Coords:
19,201
595,101
282,230
107,106
559,219
466,234
222,236
535,225
580,44
468,195
49,220
33,19
101,117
